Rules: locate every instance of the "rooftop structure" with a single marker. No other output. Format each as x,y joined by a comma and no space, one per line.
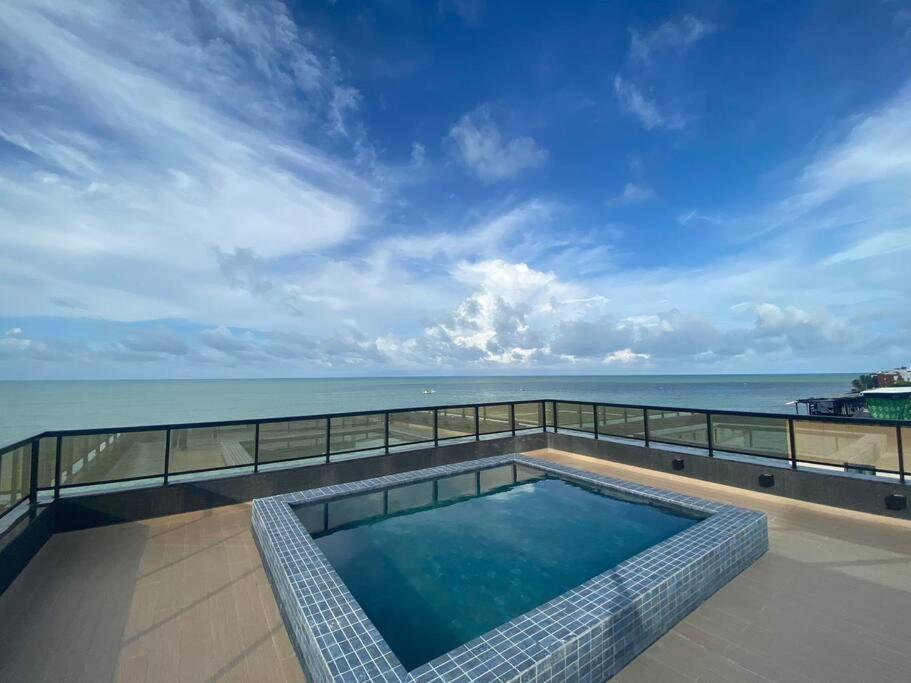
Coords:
889,403
138,579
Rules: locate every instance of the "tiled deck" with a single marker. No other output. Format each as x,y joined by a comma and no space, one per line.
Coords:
185,598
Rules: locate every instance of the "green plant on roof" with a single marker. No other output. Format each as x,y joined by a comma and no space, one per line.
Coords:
863,383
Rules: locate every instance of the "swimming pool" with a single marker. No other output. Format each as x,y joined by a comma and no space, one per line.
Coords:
498,569
439,562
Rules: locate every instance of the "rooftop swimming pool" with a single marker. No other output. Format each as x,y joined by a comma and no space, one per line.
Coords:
505,568
437,563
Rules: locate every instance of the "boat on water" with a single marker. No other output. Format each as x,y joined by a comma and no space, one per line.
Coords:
429,391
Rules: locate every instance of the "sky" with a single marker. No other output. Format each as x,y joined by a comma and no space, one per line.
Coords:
216,188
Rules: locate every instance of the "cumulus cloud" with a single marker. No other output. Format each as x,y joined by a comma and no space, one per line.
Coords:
625,357
15,345
245,224
480,145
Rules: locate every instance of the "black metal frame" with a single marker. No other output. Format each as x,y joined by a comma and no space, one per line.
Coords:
598,431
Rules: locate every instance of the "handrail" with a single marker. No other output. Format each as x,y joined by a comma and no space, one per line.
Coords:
381,411
548,418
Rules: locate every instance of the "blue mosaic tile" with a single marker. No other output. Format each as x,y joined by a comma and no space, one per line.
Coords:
587,634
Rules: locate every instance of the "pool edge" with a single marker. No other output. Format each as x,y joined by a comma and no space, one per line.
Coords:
588,633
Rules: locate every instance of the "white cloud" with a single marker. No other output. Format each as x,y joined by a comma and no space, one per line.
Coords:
674,36
169,148
481,147
344,99
266,242
633,193
637,85
882,244
625,357
648,112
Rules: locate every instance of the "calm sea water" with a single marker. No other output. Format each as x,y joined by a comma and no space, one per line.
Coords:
30,407
432,576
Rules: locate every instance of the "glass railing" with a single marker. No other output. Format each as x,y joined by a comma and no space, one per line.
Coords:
54,462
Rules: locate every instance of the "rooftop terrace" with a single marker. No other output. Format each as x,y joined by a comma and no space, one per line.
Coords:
185,597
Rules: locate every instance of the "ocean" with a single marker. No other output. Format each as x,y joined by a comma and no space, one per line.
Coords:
29,407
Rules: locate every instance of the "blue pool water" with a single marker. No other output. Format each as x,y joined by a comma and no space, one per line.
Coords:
438,563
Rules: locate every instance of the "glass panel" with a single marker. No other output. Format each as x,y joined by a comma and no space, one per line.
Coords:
459,486
579,416
411,427
765,436
205,448
453,422
15,476
292,439
496,477
410,497
678,426
528,415
628,422
906,448
357,432
549,413
858,446
493,419
47,457
98,458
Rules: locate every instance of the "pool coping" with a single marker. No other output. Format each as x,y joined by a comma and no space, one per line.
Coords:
587,633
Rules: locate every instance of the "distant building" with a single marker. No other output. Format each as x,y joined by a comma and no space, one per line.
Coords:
886,379
847,406
889,378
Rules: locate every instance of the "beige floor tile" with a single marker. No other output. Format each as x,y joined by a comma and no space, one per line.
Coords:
185,598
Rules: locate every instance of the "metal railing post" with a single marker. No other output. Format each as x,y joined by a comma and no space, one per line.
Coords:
901,454
57,468
645,423
544,416
33,476
477,422
386,433
792,442
710,438
556,417
167,455
328,438
256,447
595,419
436,428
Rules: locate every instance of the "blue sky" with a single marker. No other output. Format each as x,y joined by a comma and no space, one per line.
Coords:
209,188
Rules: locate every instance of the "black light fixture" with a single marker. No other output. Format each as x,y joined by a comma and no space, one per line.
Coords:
767,481
677,463
896,501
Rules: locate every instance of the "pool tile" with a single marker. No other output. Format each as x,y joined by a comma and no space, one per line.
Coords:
586,634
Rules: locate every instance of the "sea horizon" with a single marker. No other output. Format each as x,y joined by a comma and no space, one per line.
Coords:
31,406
